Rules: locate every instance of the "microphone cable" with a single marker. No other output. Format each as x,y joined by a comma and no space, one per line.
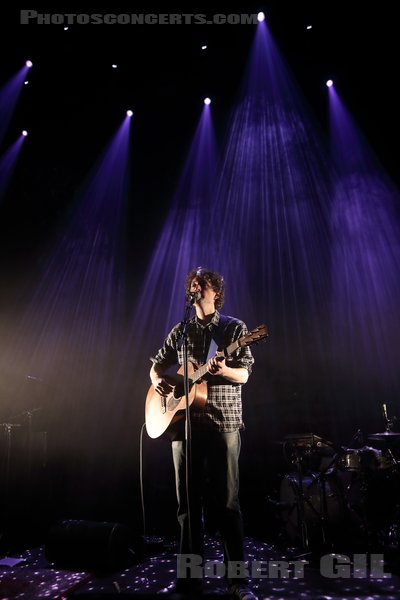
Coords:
152,542
141,481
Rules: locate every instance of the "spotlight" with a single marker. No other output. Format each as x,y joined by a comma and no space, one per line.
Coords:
309,27
29,64
204,47
207,100
26,82
329,83
114,66
24,132
129,113
66,28
260,17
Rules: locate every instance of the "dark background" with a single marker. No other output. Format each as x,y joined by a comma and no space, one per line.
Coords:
72,106
75,100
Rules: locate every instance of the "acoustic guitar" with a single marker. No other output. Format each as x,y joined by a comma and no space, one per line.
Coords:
160,412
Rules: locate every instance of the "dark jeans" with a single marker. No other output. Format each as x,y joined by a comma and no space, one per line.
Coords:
216,455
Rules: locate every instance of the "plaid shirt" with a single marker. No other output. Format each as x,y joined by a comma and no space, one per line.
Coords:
223,408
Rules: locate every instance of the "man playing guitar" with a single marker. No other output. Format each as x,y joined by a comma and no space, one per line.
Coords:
215,427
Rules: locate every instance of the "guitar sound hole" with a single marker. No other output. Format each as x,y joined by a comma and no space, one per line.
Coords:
177,395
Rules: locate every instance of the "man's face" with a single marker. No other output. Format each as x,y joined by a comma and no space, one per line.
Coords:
207,293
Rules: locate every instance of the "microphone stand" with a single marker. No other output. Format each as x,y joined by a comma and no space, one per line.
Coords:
28,414
6,477
188,425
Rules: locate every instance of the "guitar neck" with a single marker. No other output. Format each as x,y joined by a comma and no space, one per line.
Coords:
201,371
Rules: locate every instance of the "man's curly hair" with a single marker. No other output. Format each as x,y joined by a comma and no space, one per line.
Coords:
205,276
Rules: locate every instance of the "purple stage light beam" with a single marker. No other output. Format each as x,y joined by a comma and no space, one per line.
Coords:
271,217
275,186
7,164
186,241
9,95
365,255
71,327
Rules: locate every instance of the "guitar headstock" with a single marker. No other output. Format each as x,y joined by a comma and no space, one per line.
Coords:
254,336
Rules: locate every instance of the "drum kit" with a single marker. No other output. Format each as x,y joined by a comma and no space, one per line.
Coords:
333,492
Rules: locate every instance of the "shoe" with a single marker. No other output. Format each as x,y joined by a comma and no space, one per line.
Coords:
241,592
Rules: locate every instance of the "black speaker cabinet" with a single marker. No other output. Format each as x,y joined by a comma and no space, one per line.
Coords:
90,545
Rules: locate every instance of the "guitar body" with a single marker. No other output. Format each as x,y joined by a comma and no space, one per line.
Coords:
161,412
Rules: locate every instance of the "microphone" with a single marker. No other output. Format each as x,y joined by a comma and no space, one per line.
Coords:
194,296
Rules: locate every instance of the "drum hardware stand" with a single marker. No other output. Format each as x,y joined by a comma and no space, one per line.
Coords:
321,477
388,533
389,423
301,500
323,513
299,504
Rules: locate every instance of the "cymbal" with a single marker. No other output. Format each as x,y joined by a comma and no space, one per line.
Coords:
384,435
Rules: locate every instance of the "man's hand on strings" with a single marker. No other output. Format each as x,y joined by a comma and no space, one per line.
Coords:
216,366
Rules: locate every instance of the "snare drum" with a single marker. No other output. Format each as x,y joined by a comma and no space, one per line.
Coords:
361,459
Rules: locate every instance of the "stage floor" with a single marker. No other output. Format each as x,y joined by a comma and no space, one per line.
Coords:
283,575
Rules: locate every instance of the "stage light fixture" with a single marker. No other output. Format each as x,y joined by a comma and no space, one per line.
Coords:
24,132
129,113
29,64
204,47
329,83
261,17
207,100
